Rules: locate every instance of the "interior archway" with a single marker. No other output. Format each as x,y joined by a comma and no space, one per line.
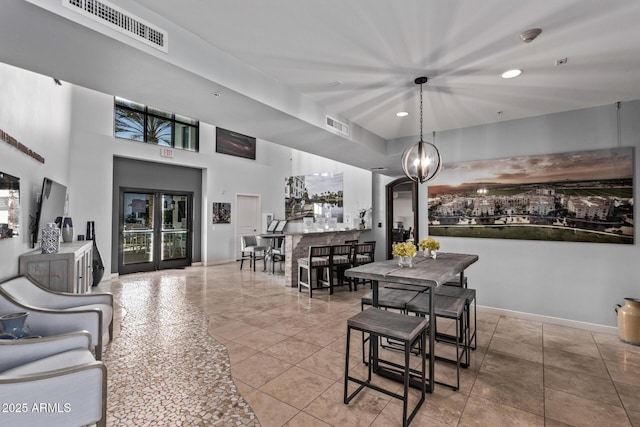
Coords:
402,211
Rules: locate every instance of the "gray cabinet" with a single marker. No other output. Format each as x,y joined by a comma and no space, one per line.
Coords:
69,270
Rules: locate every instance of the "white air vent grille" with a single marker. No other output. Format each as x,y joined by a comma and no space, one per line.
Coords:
121,20
337,126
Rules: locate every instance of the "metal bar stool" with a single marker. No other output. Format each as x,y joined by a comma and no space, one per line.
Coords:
448,308
469,296
388,298
409,330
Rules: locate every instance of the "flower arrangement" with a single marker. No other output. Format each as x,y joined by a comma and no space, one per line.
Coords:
406,249
429,243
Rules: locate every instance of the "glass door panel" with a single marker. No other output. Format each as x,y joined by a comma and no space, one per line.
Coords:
138,233
174,226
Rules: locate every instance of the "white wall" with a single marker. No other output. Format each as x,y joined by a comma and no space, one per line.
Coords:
43,127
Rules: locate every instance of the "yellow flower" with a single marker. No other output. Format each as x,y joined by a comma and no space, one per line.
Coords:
429,243
404,249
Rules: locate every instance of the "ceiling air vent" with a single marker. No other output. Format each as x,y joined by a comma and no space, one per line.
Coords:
337,126
121,20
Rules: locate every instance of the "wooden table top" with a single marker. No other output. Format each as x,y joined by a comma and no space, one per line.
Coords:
425,270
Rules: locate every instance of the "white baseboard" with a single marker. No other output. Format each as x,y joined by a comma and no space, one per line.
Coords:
592,327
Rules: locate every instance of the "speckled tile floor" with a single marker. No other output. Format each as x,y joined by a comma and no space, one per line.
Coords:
209,346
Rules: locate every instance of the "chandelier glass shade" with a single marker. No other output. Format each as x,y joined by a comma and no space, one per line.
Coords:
421,162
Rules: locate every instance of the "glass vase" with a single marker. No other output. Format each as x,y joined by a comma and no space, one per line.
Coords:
405,261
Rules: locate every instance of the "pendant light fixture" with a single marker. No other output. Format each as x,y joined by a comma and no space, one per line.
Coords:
422,161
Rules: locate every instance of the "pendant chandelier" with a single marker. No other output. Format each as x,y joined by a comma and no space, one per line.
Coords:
422,161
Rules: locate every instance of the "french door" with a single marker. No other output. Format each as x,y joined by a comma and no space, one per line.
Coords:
155,230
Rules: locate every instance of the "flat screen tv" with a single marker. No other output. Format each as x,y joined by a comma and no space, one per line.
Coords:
52,201
235,144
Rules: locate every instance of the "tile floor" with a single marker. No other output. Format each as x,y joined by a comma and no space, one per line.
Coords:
286,360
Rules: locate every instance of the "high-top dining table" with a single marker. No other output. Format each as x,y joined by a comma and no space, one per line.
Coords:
426,271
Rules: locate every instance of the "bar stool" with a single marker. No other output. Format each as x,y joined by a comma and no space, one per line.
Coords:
469,296
339,262
448,308
409,330
395,299
317,260
363,253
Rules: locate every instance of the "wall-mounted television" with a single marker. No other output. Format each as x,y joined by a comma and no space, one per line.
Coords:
9,206
235,144
52,204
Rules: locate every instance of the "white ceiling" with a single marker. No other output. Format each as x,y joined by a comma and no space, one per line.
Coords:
275,63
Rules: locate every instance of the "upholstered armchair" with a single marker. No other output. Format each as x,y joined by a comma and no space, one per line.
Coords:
53,313
52,381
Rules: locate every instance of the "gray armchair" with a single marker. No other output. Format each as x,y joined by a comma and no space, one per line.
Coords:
54,313
52,381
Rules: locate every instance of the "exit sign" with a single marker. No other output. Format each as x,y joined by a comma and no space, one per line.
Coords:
166,152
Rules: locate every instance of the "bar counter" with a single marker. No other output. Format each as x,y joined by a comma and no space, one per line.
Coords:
297,246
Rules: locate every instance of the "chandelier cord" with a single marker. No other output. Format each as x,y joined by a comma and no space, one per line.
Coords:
420,111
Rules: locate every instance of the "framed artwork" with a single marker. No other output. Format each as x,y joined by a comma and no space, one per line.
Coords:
584,196
235,144
221,213
316,195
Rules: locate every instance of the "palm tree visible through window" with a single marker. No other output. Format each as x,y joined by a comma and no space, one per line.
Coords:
141,123
131,125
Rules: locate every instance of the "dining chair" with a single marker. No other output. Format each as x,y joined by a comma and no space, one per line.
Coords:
252,251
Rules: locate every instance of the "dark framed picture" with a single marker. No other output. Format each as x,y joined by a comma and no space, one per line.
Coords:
221,213
235,144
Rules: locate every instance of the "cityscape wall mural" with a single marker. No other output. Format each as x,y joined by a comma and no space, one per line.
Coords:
314,196
584,196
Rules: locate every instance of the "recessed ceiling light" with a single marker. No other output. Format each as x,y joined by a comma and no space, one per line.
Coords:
509,74
402,114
